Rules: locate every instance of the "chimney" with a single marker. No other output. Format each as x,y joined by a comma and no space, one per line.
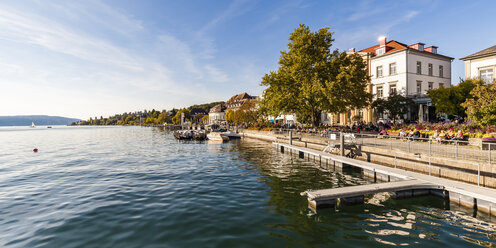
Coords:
382,41
352,50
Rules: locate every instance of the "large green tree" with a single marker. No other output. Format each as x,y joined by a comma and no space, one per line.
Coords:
481,108
449,100
311,78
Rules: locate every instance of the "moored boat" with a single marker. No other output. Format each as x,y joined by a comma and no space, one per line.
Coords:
217,136
231,135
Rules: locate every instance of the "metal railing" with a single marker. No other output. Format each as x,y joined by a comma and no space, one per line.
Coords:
446,148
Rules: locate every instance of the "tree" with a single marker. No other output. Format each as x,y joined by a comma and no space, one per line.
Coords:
449,100
311,79
229,116
204,119
395,106
481,108
177,118
163,117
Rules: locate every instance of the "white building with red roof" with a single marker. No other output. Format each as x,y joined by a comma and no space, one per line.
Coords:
408,70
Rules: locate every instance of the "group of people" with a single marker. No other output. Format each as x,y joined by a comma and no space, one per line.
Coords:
447,136
414,134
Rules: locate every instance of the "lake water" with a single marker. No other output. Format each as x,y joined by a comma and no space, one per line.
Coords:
139,187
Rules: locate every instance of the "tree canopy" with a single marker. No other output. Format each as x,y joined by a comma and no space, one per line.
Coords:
177,118
311,78
449,100
481,108
395,106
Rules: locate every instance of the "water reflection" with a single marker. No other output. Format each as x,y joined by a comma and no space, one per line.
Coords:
381,220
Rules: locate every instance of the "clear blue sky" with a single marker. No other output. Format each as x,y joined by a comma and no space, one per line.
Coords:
92,58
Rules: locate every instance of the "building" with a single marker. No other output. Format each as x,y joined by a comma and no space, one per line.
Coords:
408,70
481,65
237,101
217,114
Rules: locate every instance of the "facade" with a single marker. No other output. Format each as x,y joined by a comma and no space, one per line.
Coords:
216,114
481,65
408,70
235,102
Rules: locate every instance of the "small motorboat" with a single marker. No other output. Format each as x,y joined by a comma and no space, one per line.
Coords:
217,136
231,135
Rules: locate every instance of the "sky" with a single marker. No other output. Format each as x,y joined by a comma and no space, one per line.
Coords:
92,58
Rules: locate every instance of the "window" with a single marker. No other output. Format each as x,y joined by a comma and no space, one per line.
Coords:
392,89
392,68
380,51
419,67
419,87
379,91
431,85
440,71
430,69
486,75
441,85
379,71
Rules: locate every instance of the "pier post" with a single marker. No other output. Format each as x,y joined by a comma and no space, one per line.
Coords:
341,144
456,149
290,137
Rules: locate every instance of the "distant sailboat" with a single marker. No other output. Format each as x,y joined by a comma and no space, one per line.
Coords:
32,124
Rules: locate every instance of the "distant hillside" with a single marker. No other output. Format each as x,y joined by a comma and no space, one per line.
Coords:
39,120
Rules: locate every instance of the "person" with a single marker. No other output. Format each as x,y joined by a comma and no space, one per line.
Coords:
441,136
402,133
416,134
383,132
459,136
434,135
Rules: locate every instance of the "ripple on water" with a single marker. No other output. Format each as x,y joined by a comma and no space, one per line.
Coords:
138,187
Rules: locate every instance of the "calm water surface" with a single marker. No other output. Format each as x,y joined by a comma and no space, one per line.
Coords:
138,187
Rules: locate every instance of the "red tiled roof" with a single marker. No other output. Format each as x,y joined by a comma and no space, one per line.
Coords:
392,46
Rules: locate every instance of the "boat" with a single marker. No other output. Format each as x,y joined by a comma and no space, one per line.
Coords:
199,135
49,127
183,134
190,134
217,136
32,124
231,135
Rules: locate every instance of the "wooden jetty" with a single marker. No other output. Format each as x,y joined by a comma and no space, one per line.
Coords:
401,183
